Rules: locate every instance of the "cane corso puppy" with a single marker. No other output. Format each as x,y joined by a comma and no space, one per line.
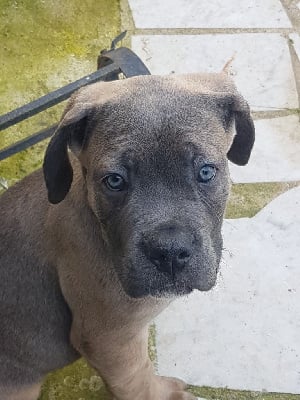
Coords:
125,217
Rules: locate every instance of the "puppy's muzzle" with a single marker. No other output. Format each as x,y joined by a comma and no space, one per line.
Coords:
169,247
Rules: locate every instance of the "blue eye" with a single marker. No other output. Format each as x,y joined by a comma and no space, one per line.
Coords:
115,182
207,173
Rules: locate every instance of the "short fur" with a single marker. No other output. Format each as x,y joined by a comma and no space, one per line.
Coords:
85,272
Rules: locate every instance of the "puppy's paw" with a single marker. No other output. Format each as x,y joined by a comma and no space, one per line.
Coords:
160,388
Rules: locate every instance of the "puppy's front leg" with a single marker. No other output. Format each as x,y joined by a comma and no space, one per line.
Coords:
26,392
127,371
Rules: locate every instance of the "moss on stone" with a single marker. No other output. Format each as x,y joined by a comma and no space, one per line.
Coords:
227,394
46,44
152,344
74,382
247,199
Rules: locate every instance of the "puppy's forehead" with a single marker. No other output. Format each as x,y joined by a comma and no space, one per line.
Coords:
158,109
146,91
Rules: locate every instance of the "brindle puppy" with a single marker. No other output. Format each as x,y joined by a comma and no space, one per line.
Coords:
133,220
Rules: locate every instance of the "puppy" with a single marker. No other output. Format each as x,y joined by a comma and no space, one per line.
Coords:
129,219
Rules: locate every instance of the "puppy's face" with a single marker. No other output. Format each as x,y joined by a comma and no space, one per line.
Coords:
157,180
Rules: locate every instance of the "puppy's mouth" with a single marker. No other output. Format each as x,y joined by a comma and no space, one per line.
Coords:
161,286
179,289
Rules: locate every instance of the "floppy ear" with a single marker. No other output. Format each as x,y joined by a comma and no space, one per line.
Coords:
57,168
240,150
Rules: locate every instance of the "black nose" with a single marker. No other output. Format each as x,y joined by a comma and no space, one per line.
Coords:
169,248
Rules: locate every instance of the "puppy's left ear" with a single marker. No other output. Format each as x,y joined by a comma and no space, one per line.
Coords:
240,150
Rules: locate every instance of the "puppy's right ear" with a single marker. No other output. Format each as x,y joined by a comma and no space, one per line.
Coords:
57,168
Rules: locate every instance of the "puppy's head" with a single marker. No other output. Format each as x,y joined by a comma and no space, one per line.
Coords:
154,156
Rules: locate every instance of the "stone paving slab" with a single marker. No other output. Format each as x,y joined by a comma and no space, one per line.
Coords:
212,14
245,333
276,153
261,68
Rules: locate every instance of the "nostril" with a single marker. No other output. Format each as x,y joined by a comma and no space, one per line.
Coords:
183,256
159,258
155,261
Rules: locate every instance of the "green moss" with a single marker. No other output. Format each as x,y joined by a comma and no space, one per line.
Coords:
248,198
46,44
75,382
152,344
227,394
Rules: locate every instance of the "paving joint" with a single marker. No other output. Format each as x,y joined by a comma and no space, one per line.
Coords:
278,113
293,13
127,22
296,66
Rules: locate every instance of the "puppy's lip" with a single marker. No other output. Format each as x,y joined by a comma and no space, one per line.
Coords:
206,285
